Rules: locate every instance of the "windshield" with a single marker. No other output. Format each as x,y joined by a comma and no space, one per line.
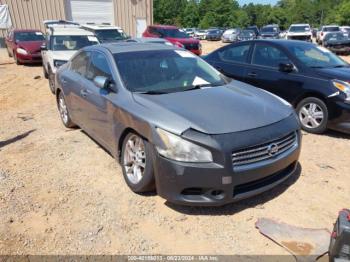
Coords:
29,36
247,33
214,32
269,29
173,33
299,28
316,57
72,42
110,35
230,31
165,71
335,37
331,29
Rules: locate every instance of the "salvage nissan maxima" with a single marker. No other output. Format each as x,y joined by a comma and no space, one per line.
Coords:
177,125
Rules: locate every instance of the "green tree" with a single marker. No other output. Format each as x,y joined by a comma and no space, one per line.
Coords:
191,16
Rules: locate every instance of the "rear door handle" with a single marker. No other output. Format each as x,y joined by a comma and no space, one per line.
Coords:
252,74
85,92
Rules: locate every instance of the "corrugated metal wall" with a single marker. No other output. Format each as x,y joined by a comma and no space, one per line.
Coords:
31,13
127,11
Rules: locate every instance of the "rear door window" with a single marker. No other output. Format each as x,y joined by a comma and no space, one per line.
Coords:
236,54
80,63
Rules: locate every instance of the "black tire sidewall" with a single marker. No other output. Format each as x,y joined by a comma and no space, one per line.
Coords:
147,182
323,127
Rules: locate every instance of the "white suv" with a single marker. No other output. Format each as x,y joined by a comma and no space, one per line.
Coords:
299,32
325,30
106,33
63,40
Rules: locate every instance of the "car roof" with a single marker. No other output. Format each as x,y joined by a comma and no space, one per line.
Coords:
70,31
299,25
281,42
126,47
165,26
326,26
100,26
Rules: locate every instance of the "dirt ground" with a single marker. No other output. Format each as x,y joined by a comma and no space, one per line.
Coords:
61,193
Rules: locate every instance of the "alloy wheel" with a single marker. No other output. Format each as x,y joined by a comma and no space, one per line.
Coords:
134,159
63,109
311,115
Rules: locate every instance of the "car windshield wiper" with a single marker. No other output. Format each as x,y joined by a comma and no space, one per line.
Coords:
153,92
317,67
340,66
193,87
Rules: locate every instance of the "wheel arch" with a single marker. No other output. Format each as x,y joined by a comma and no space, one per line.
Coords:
122,137
310,94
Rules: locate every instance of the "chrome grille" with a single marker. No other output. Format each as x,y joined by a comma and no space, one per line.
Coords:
265,151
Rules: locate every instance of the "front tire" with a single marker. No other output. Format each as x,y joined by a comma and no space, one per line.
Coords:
63,110
46,75
16,58
8,52
313,115
51,77
137,164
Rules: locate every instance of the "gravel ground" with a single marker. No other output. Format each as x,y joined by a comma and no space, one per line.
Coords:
61,193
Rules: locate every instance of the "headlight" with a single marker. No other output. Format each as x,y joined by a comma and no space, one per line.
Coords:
176,148
59,63
22,51
343,86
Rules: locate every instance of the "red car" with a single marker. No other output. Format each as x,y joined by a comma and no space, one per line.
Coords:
175,36
24,45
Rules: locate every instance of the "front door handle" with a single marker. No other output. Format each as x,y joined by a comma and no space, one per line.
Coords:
85,92
252,74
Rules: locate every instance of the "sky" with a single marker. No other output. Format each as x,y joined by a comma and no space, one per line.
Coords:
272,2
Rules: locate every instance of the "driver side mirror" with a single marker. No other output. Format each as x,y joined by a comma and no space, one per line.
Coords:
102,82
286,68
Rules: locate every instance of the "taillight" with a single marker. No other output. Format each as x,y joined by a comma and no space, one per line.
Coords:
321,33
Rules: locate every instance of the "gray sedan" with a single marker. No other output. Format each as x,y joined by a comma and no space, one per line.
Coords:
177,125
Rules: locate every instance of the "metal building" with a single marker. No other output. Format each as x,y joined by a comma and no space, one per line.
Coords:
132,15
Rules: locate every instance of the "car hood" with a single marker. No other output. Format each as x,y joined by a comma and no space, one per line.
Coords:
217,110
63,55
268,34
182,40
31,46
338,42
299,33
335,73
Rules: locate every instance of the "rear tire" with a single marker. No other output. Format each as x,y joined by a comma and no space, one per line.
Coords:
64,112
137,164
313,115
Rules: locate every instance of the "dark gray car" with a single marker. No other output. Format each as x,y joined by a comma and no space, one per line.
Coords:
177,125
